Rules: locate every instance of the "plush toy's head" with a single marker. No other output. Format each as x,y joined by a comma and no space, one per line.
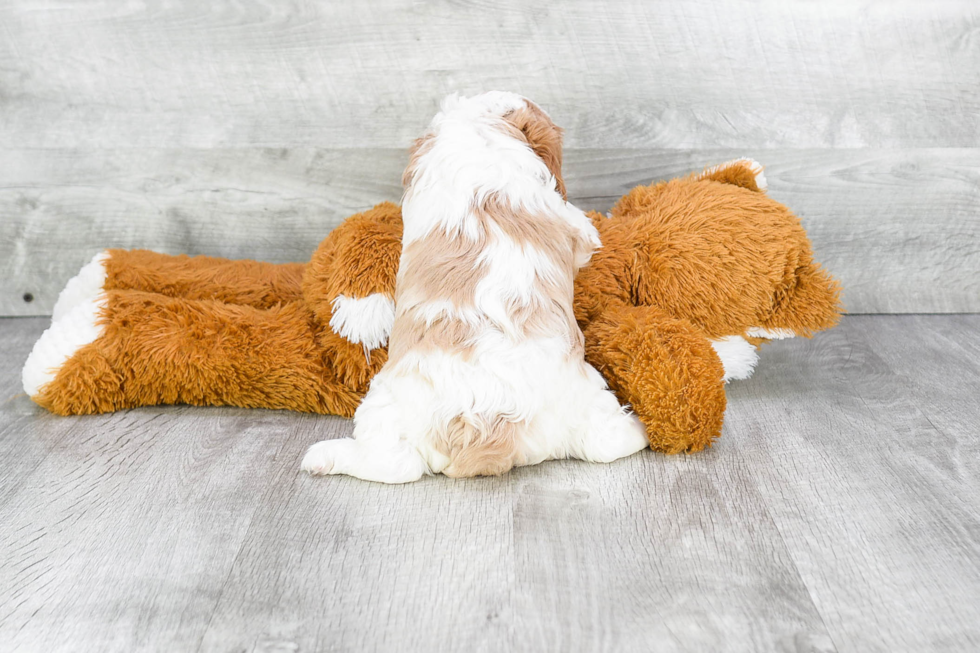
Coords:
693,274
715,249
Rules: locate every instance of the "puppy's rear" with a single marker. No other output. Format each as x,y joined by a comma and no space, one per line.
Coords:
486,364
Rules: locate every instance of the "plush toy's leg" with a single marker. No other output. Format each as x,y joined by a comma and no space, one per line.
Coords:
132,348
350,280
811,305
251,283
746,173
666,370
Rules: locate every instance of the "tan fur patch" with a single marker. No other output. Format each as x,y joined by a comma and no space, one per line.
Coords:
445,334
551,311
440,267
549,235
479,448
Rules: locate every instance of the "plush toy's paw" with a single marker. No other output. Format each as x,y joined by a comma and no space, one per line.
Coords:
747,173
737,355
84,287
365,321
770,334
67,335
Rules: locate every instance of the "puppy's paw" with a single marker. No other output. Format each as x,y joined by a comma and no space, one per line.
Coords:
326,457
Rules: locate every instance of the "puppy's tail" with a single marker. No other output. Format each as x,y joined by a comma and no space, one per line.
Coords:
478,446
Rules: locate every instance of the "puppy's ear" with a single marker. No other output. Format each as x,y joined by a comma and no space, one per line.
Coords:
421,145
542,135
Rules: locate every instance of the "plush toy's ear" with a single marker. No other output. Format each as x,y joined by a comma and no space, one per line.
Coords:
746,173
542,136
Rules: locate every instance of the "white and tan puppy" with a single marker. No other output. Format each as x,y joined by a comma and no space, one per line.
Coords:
486,365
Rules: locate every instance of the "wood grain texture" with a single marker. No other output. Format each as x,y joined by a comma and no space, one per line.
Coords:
249,129
127,526
901,228
838,512
725,73
564,557
890,532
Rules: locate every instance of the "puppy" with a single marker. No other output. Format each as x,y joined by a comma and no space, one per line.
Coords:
486,365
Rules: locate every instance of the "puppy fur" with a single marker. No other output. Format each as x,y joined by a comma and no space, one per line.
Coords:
486,364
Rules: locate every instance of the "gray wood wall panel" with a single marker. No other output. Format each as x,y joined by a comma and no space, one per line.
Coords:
617,74
901,228
249,129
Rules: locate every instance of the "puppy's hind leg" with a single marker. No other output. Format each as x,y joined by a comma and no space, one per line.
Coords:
606,431
377,452
399,463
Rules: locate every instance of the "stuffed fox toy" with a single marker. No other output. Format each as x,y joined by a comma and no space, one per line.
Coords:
693,275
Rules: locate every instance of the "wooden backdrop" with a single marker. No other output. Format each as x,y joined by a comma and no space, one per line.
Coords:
250,128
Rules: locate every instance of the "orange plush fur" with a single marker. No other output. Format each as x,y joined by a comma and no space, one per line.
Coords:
682,263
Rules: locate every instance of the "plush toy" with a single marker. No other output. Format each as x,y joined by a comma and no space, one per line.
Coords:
693,275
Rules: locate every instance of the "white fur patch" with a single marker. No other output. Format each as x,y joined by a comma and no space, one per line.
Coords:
56,345
770,334
737,356
83,287
755,166
363,320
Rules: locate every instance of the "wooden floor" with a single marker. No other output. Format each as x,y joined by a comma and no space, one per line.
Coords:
840,511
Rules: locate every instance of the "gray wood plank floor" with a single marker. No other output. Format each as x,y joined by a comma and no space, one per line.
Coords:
840,511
